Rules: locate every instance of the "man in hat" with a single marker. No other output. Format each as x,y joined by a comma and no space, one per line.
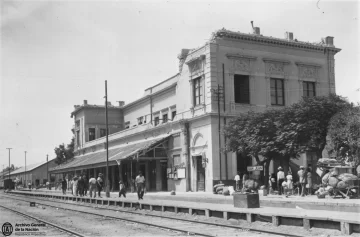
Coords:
64,185
99,182
302,180
280,178
140,185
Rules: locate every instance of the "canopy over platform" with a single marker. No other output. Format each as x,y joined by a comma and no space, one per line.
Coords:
97,159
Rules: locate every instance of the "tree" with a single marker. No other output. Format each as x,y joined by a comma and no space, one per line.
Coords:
344,133
63,154
12,168
284,133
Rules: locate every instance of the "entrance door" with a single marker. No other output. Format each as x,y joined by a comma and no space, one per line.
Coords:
200,174
163,176
152,175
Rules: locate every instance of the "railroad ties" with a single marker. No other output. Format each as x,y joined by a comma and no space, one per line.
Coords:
346,228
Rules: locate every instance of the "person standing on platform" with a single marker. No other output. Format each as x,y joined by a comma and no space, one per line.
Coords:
273,182
86,185
237,181
92,187
309,181
63,186
99,183
75,185
289,179
81,185
280,178
122,190
302,180
140,184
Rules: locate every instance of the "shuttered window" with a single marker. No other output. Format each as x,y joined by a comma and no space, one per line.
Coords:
277,91
242,89
309,89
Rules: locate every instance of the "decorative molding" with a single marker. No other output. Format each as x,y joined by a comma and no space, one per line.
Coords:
274,68
307,64
240,56
197,135
274,60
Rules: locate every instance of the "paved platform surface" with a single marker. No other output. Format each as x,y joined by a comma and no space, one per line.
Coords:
150,199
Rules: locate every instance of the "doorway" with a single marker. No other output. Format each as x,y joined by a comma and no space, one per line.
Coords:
163,176
152,175
200,170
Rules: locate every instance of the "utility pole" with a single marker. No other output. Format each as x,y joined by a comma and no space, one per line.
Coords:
9,161
107,188
47,170
25,171
219,95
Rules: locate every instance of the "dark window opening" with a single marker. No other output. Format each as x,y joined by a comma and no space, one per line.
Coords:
242,89
78,138
277,91
197,91
140,120
309,89
91,134
173,114
127,125
165,118
102,132
156,121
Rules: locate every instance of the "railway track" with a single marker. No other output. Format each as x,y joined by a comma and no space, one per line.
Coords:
66,230
186,226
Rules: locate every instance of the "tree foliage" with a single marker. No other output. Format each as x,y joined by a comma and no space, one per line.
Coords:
64,153
283,133
12,168
344,134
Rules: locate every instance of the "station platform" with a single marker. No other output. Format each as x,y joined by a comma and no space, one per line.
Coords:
308,202
204,204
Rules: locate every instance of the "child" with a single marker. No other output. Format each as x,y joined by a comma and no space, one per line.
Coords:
122,189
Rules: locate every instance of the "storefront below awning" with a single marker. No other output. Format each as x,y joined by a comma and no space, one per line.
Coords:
131,150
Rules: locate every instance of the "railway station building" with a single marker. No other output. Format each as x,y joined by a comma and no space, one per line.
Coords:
172,133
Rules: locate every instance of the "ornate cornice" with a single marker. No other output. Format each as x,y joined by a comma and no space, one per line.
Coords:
201,57
260,39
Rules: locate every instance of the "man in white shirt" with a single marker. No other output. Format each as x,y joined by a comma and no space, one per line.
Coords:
140,185
92,187
280,178
237,180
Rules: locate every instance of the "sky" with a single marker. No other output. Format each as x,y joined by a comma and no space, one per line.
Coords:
55,54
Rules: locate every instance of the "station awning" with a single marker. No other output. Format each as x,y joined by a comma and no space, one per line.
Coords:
116,154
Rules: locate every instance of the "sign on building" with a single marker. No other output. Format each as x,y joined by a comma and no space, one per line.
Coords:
255,168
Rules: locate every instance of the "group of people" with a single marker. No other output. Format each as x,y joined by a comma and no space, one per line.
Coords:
79,185
282,182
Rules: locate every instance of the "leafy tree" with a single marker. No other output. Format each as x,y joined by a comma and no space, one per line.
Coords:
12,168
64,153
344,133
283,133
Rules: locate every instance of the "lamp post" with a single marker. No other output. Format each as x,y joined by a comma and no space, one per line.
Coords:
25,171
107,188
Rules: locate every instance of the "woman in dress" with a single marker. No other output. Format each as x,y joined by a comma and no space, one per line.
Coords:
309,181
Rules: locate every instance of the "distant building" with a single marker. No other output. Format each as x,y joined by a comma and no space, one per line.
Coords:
36,174
171,134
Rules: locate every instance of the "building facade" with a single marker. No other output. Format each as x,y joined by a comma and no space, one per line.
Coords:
173,133
36,174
